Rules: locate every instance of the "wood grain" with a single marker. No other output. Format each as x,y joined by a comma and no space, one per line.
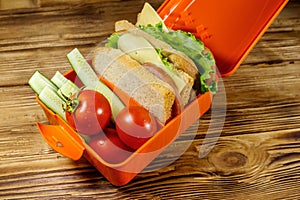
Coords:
18,4
257,155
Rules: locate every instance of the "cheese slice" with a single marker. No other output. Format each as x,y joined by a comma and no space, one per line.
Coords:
141,50
149,15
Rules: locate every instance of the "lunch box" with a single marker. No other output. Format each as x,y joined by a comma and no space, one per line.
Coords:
229,28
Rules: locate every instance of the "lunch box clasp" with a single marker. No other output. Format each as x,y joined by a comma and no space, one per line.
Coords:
62,141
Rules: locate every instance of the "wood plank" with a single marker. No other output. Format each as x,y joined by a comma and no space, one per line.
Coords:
232,170
18,4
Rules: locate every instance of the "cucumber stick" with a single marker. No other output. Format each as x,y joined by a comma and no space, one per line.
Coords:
67,90
58,79
50,94
38,82
89,78
52,100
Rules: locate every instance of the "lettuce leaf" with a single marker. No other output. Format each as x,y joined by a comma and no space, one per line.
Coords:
112,41
164,60
192,47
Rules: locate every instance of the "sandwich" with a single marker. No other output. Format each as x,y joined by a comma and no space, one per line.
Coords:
161,69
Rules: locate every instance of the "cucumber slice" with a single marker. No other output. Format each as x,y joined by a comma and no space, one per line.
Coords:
59,80
38,82
89,78
67,90
51,99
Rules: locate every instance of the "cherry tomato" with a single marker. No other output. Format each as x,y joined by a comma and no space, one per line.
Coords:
135,126
109,147
90,114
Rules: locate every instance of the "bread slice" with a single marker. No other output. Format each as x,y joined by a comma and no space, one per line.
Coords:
124,25
182,64
128,75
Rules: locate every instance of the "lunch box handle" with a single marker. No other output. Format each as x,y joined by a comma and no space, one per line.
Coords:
61,141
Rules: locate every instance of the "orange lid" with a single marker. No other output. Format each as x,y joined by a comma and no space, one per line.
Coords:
229,28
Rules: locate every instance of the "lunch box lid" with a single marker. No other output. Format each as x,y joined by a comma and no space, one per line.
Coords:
229,28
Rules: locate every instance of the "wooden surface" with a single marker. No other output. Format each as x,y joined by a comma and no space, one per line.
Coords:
256,157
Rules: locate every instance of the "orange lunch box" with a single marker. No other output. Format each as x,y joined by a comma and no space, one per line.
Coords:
229,28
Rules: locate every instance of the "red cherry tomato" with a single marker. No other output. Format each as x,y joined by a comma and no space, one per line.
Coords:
91,114
109,147
135,126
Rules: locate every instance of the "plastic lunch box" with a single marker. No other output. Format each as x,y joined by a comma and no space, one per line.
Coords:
229,28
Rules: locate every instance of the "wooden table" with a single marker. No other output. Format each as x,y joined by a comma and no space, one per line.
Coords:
256,157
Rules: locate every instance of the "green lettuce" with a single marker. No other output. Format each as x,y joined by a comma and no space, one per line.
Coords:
192,47
164,59
112,41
